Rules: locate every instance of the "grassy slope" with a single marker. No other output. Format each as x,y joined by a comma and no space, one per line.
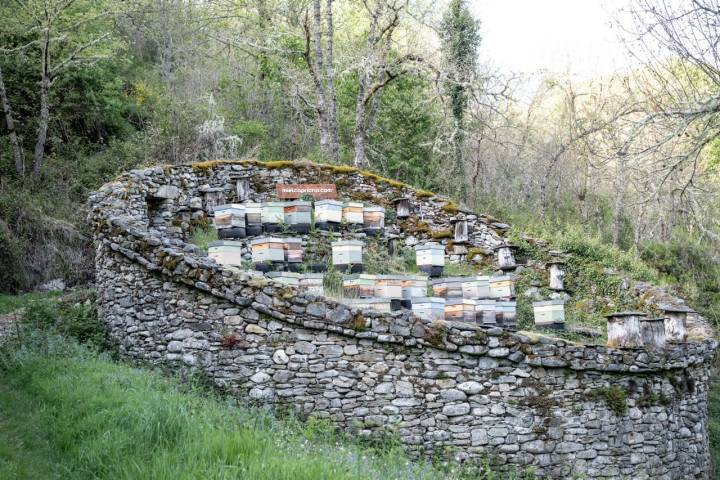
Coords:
66,412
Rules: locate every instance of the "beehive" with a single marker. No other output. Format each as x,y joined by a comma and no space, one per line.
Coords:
506,314
312,283
429,308
328,214
389,286
550,314
653,333
293,249
253,219
485,312
298,215
373,220
676,323
448,287
286,278
352,213
402,207
229,216
378,304
430,258
414,286
359,286
273,214
505,256
502,286
476,287
460,310
226,252
623,329
267,249
347,253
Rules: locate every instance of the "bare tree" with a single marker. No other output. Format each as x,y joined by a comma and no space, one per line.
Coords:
18,153
56,25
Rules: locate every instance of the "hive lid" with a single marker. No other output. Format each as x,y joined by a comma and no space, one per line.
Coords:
229,206
266,240
312,276
460,301
225,243
676,309
430,246
329,202
509,303
506,245
628,313
352,243
501,278
273,204
545,303
354,204
291,239
449,280
282,275
428,300
373,208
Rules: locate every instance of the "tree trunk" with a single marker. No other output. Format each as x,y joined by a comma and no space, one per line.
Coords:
18,153
330,95
43,122
364,78
318,78
619,209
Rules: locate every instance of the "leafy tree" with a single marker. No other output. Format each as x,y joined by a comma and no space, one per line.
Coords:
460,37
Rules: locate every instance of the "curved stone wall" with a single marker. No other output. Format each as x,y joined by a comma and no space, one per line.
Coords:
517,399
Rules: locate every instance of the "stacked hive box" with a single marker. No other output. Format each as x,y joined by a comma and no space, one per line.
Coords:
229,220
347,255
226,252
328,214
273,216
298,215
430,258
550,314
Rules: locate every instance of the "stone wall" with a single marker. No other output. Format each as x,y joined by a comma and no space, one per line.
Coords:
517,399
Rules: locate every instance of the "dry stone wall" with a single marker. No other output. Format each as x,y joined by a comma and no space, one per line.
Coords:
516,399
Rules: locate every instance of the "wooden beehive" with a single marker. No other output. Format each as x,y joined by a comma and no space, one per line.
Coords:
460,231
312,283
226,252
229,216
485,312
429,308
623,329
476,287
373,220
430,258
557,275
347,252
293,249
505,257
502,286
653,333
414,286
273,214
298,215
352,213
676,323
286,278
267,249
402,207
328,213
550,314
388,286
460,310
212,197
253,219
506,314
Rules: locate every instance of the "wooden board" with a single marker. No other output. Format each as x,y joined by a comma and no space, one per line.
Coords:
319,191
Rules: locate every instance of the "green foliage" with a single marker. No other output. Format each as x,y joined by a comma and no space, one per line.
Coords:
202,236
691,265
379,260
614,397
459,269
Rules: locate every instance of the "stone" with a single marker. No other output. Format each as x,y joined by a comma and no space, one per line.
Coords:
280,357
470,388
255,329
456,409
260,377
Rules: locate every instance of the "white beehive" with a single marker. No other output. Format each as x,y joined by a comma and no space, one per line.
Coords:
347,252
506,313
476,287
312,283
502,286
550,314
286,278
226,252
273,213
430,258
328,212
229,216
414,286
460,310
485,312
429,308
389,286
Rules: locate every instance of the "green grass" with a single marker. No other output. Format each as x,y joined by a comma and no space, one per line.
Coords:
203,236
11,303
68,412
